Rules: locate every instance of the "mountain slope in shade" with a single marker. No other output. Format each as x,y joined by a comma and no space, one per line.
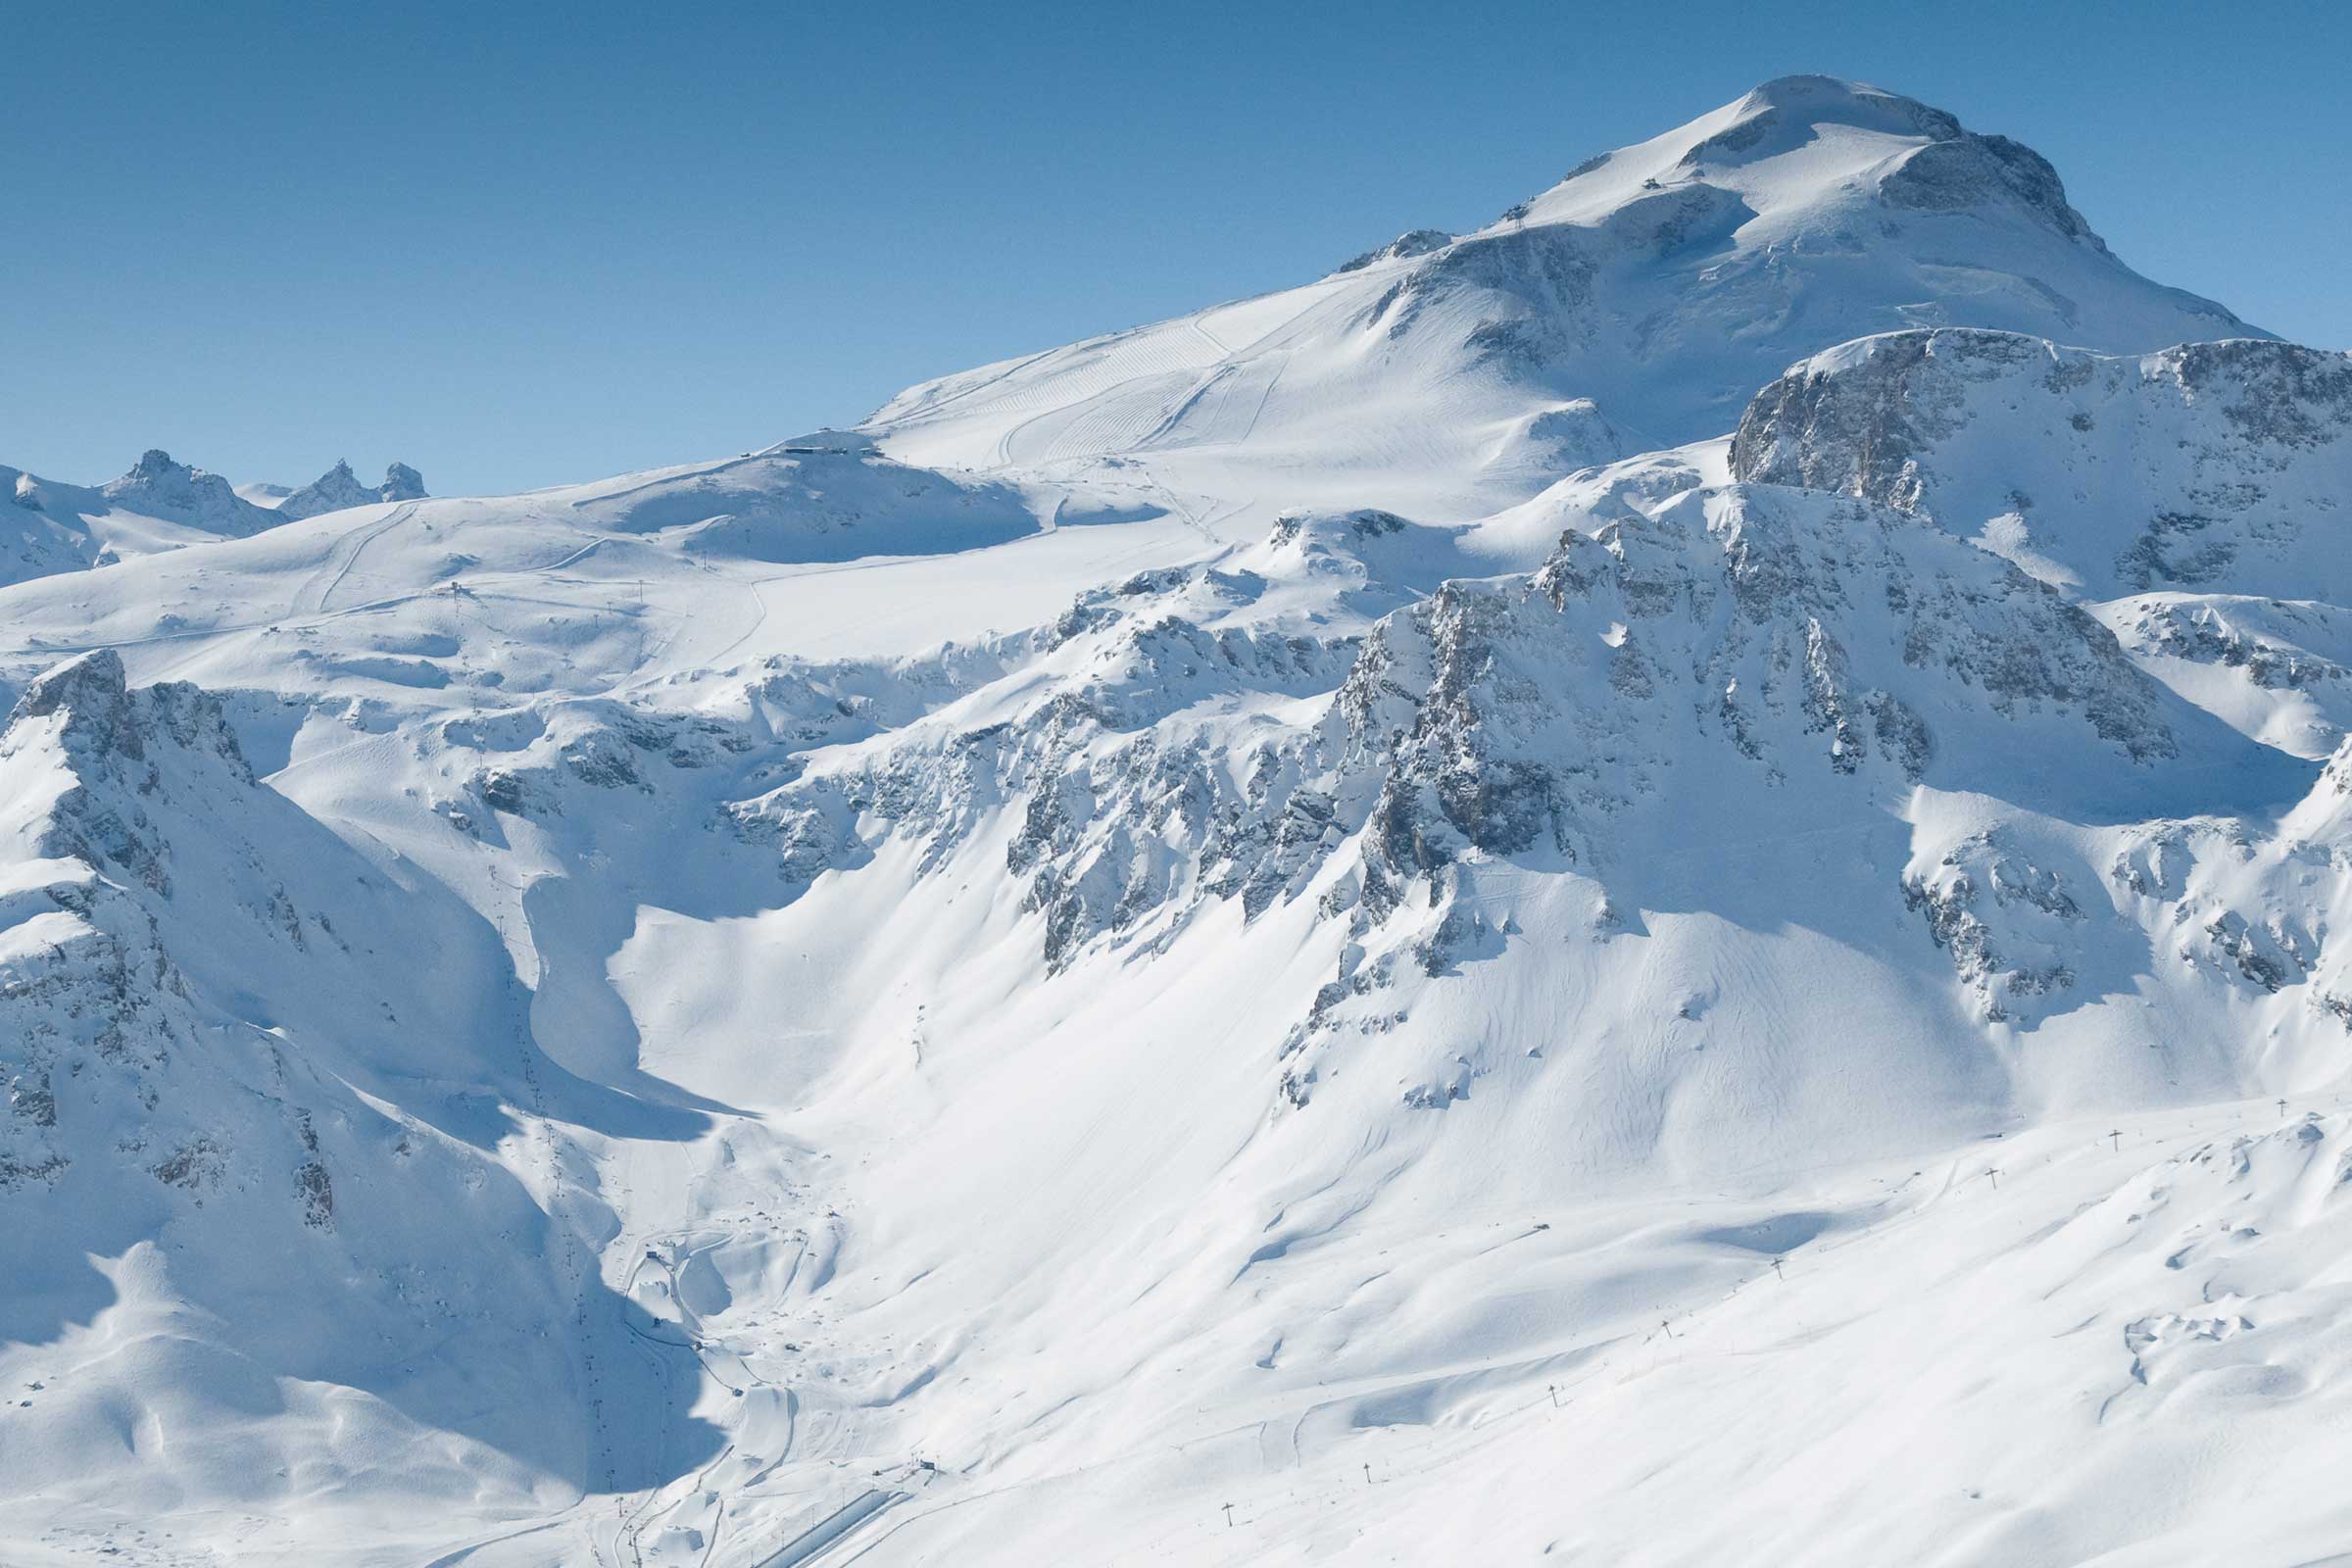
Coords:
295,1245
1637,304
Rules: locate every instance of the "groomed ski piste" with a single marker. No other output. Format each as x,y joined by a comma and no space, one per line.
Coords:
1657,885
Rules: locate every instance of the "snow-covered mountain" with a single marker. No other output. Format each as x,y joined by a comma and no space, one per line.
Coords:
262,493
1402,922
2208,466
2196,496
1637,304
159,505
264,1151
337,489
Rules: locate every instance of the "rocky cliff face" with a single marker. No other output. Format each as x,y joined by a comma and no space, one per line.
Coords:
1736,645
158,487
2211,467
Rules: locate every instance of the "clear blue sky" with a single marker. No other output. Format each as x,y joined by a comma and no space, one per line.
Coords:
519,244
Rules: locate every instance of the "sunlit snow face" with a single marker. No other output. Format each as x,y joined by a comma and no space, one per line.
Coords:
1464,909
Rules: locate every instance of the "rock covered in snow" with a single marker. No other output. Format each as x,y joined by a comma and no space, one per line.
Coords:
338,489
158,487
2222,466
1413,242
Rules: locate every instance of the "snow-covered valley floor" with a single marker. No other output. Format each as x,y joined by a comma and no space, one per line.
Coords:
2090,1342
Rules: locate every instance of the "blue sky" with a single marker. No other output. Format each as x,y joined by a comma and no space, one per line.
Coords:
521,244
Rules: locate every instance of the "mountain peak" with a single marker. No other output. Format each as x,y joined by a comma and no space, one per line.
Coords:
156,467
1836,97
403,483
1659,285
91,690
1788,111
155,486
339,488
1808,153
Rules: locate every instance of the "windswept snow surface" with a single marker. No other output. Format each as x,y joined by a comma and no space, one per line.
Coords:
1387,924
